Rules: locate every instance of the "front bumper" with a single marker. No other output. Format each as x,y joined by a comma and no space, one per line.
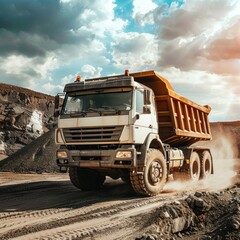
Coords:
97,158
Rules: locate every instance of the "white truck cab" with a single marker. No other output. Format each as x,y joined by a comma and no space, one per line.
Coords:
110,127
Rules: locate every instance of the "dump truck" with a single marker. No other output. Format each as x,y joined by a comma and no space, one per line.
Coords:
132,126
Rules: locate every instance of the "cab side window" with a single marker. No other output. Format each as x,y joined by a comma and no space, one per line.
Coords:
139,101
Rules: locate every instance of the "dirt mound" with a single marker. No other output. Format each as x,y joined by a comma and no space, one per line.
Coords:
38,156
214,215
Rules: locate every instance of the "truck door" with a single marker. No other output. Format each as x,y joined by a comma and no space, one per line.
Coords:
145,116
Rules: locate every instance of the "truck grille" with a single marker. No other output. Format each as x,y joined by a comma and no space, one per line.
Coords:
96,134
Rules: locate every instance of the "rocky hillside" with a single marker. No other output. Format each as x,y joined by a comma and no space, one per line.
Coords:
24,116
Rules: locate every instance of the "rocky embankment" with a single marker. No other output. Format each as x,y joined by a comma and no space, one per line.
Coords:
203,215
24,116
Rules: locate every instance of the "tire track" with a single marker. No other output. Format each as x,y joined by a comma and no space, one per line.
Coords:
60,221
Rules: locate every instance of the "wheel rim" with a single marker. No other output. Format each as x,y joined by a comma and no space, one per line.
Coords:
207,166
155,172
195,170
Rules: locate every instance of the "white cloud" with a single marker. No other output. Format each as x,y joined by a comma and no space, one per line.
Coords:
68,79
143,6
197,33
14,64
33,54
134,51
51,89
17,64
143,11
205,88
86,71
99,19
89,71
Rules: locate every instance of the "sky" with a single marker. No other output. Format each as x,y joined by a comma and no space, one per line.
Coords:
195,44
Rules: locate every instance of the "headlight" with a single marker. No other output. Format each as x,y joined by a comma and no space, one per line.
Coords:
62,154
124,154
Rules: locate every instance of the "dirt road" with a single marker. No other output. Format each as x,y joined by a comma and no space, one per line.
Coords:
47,206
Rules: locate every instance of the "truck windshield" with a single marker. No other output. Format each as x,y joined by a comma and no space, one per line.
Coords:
99,102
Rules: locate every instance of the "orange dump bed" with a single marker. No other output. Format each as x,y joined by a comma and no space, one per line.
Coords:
181,121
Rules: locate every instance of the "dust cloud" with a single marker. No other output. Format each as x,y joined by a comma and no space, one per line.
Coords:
224,152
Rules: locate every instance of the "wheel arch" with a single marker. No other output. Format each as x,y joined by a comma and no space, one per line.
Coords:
152,141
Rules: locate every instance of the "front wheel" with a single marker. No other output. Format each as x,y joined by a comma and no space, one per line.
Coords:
154,176
86,179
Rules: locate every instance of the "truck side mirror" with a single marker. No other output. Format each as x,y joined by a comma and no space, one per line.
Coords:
147,98
56,113
56,103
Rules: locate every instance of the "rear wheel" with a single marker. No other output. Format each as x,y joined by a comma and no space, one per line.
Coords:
86,179
206,164
194,167
154,176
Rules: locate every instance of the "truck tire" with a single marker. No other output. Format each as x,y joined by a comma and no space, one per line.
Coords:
154,176
86,179
194,167
206,164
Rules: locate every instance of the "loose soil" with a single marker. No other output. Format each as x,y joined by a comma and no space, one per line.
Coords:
48,206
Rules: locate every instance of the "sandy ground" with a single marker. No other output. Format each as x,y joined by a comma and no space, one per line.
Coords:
47,206
9,178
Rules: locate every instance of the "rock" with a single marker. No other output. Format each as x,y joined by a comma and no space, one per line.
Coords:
199,203
150,237
198,194
178,224
179,235
22,120
155,236
181,223
165,214
147,237
205,237
234,224
177,202
172,213
191,201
